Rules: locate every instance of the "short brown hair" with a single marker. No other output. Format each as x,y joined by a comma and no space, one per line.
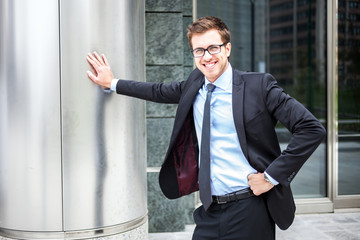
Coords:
207,23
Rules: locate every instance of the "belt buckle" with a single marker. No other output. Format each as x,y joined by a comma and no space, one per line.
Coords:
218,201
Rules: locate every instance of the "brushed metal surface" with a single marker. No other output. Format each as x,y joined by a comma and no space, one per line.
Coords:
104,143
30,134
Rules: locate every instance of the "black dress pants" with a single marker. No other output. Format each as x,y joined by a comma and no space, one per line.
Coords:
246,219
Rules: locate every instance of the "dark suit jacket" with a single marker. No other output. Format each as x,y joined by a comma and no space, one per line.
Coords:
258,103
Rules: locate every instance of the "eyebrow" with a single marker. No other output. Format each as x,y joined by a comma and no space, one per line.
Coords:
214,44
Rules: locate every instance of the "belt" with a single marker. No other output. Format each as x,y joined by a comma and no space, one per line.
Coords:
235,196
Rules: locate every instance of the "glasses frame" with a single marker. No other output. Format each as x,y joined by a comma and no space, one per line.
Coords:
207,50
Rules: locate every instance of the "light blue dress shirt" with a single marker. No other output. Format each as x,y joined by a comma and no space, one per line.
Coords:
228,164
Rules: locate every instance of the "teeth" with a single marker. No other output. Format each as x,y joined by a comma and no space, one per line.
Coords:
210,64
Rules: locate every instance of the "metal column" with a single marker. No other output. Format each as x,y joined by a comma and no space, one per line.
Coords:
72,158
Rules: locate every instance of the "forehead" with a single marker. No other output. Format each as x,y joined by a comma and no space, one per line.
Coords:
203,40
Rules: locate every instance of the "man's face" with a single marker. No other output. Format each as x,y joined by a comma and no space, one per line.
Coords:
212,66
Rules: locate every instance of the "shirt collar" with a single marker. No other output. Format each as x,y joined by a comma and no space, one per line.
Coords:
224,81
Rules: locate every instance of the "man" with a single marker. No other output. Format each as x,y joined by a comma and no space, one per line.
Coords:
224,139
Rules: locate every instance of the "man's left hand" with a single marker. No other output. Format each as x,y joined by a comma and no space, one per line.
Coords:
258,184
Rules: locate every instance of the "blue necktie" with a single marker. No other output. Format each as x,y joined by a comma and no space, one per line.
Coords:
204,171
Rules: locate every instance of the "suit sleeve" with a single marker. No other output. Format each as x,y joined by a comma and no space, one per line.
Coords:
150,91
307,132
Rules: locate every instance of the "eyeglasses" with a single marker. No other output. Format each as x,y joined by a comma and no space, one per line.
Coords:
213,49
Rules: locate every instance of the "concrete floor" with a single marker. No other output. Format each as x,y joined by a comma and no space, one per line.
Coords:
344,225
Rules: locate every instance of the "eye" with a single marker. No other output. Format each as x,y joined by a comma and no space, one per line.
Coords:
198,51
213,48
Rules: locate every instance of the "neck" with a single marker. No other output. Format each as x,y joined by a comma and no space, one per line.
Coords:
213,80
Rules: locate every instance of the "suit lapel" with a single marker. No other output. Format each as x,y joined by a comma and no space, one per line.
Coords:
190,94
238,109
185,106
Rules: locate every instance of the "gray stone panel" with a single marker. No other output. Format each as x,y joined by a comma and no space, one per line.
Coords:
187,71
189,207
158,110
164,74
164,215
168,59
164,38
158,137
163,5
188,58
187,7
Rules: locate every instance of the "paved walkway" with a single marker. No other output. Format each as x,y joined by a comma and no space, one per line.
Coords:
339,226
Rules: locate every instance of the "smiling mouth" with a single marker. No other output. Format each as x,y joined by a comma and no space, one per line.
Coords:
209,65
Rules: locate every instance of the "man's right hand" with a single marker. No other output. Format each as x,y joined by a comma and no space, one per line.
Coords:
258,184
101,74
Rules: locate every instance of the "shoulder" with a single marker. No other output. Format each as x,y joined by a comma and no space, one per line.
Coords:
255,79
195,77
195,74
248,76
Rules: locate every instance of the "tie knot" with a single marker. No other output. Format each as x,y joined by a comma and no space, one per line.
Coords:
210,87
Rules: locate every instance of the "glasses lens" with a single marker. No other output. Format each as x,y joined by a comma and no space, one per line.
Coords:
198,52
214,49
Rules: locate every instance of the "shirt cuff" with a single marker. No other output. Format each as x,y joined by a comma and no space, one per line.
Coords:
113,84
112,87
273,181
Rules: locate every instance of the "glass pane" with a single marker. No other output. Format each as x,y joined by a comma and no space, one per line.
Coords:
349,97
288,40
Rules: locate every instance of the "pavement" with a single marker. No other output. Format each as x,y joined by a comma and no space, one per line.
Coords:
340,225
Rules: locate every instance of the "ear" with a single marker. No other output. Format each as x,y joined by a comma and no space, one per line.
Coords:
228,49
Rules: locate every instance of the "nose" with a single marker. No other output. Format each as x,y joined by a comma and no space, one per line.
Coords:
207,55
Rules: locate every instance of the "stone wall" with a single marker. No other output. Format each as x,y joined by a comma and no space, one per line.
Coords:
168,59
